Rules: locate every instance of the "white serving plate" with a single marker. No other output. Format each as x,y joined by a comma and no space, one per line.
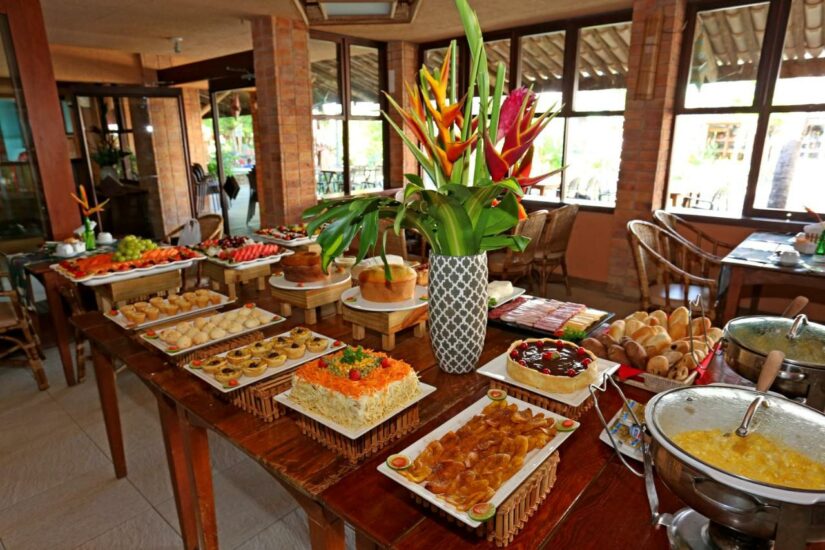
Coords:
278,281
532,461
121,319
352,298
283,242
289,364
634,453
97,280
497,369
517,291
273,319
283,398
251,263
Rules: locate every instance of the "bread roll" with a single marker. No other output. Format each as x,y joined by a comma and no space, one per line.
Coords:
715,334
617,354
639,316
661,317
658,365
679,315
607,340
658,343
643,334
637,354
651,321
678,373
688,362
617,329
673,357
700,326
632,325
593,345
678,330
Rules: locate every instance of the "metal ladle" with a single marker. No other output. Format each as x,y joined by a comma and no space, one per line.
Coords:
770,368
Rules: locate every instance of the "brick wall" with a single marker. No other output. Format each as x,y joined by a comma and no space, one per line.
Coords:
194,127
286,180
655,43
402,65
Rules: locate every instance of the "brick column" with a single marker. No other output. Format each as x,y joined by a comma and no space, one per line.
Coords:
194,126
286,177
656,37
402,66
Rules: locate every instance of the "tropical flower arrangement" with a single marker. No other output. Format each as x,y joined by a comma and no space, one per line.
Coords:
88,211
476,167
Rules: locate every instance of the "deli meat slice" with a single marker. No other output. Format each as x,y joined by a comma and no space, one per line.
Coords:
557,319
509,306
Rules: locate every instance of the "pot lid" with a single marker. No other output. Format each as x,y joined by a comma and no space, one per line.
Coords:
720,407
806,344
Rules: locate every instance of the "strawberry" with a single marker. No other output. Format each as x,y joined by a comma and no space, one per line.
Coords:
586,361
385,362
233,383
581,351
545,371
514,354
322,364
523,345
559,344
354,374
336,343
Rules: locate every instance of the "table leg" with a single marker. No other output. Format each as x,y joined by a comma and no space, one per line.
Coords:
755,296
178,471
107,389
362,542
196,445
51,282
734,293
326,530
232,291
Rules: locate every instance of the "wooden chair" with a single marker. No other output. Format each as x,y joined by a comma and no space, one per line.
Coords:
211,228
663,264
684,230
16,329
552,248
512,266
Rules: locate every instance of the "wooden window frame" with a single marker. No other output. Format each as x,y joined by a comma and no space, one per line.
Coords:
770,63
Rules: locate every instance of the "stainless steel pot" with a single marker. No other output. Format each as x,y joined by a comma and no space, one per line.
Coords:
747,341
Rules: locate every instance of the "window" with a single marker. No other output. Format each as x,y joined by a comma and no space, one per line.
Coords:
589,88
348,129
747,138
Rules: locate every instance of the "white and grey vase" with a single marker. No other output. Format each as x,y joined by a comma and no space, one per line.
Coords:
458,310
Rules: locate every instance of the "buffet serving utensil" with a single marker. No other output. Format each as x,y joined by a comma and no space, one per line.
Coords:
769,371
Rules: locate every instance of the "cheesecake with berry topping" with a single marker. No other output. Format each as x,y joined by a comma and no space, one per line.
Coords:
551,365
354,387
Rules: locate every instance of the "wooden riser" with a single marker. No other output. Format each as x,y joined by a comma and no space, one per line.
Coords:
227,280
386,323
328,299
120,292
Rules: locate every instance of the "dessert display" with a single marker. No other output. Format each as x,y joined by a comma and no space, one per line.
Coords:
237,250
467,466
498,291
304,267
554,366
354,387
562,319
108,263
657,343
162,309
286,233
375,287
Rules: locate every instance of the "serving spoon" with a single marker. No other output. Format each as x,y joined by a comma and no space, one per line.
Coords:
770,369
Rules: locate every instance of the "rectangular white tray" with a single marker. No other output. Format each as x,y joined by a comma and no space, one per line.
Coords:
251,263
633,452
246,380
497,369
532,461
97,280
294,242
121,319
273,319
423,391
517,291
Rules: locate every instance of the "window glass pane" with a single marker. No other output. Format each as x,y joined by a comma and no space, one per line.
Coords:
802,74
710,161
329,157
727,44
594,149
547,156
366,156
793,162
498,51
601,63
325,69
542,67
365,85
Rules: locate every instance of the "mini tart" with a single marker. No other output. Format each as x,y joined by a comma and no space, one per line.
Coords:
215,298
141,306
202,301
300,334
317,344
554,366
157,302
227,374
213,364
275,358
152,313
259,349
295,350
281,342
254,367
238,356
202,292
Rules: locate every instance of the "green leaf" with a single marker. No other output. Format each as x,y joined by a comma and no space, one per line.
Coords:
369,235
335,212
499,89
503,217
415,179
454,234
460,192
411,189
515,242
422,159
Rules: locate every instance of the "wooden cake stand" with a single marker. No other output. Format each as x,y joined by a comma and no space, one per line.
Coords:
387,323
120,292
327,299
225,279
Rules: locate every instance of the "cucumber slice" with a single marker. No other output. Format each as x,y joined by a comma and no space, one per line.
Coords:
497,395
566,425
482,511
399,462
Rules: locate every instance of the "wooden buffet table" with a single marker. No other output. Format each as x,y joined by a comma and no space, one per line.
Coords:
595,503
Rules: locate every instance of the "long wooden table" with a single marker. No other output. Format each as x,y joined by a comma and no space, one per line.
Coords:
595,502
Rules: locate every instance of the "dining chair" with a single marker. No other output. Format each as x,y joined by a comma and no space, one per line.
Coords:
663,264
512,266
684,230
211,226
552,248
16,329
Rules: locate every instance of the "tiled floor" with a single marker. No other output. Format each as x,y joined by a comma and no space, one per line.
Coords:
58,490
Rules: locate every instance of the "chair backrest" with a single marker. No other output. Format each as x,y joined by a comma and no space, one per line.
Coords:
557,230
211,226
691,234
531,228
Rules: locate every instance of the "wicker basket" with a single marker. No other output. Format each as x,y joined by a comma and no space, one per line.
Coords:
513,513
542,401
258,399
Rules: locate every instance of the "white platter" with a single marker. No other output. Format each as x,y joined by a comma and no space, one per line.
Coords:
517,291
283,398
497,369
532,461
278,281
352,298
272,319
251,263
97,280
283,242
633,452
289,364
121,319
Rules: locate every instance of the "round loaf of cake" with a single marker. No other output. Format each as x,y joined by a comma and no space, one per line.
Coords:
551,365
376,288
303,267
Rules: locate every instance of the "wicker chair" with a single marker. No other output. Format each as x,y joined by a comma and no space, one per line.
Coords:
552,248
16,329
512,266
211,228
683,229
662,263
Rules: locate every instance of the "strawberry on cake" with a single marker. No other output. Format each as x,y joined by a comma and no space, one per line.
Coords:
354,387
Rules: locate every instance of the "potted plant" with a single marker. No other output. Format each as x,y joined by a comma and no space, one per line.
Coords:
476,167
107,154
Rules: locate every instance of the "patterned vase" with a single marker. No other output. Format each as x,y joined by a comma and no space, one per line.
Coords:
458,310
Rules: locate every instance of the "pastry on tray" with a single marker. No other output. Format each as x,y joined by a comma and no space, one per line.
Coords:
375,287
254,367
303,267
354,387
295,350
259,349
275,358
300,334
317,344
238,356
227,374
213,364
551,365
